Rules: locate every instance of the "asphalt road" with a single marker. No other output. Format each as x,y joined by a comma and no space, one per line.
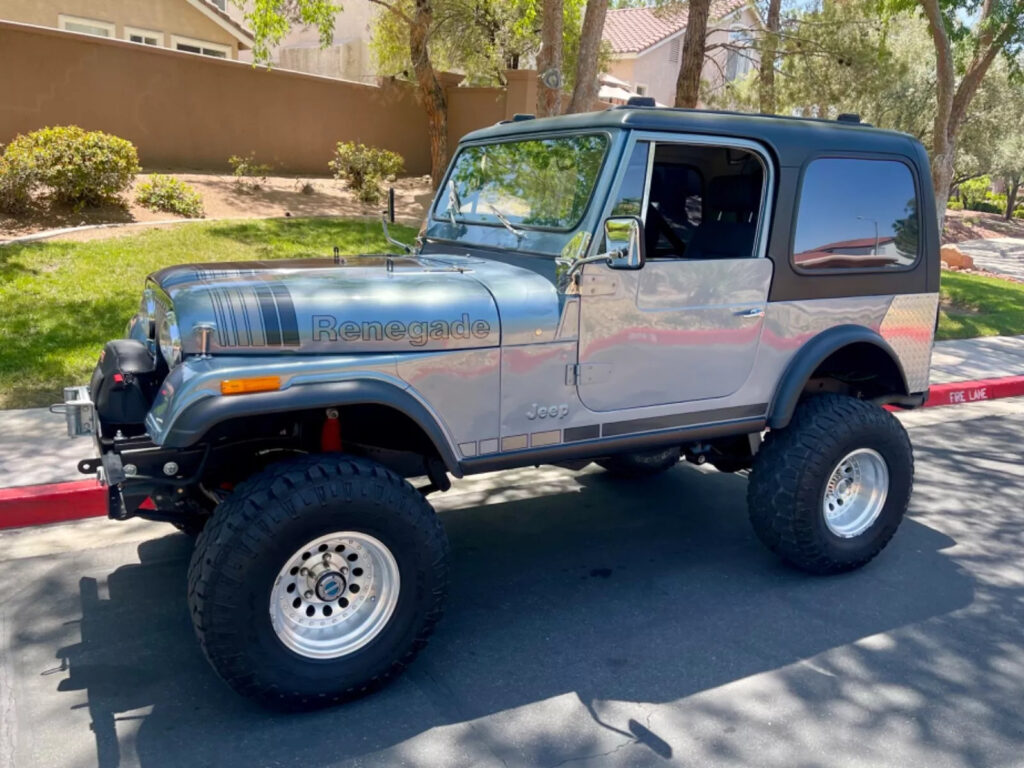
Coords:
590,622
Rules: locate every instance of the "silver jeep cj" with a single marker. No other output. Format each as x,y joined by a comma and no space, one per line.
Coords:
625,287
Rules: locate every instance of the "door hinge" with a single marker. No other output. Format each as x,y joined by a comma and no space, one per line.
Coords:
587,373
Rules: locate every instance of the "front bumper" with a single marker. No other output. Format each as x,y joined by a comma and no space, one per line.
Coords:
133,469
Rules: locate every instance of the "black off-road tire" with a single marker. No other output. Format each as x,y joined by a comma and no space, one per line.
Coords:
641,463
258,528
791,470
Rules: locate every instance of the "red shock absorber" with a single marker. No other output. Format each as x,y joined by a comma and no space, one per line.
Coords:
330,433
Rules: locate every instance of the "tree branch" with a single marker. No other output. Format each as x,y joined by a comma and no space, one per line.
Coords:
394,9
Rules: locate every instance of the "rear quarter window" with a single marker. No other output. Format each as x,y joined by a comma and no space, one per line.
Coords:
856,214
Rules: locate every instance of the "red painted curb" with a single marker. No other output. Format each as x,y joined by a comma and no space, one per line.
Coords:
40,504
959,392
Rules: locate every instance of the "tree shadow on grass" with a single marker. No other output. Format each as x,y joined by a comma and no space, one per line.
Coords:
34,361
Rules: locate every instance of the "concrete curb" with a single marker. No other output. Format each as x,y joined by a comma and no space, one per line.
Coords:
41,504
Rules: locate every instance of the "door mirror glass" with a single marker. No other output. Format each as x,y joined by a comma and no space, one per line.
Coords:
624,238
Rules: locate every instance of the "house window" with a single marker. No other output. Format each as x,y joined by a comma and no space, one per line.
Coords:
640,89
143,36
737,62
221,4
857,214
673,51
188,45
85,26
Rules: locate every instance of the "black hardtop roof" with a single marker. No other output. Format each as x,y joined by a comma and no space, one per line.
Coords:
792,138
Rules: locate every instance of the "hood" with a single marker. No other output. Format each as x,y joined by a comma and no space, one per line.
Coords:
363,304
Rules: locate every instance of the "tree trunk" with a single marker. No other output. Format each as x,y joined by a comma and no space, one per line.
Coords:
769,53
432,94
584,94
688,82
1012,185
953,100
549,100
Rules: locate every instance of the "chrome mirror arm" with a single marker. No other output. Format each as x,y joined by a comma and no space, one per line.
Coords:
576,265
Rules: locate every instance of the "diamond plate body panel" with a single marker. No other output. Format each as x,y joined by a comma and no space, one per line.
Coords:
909,327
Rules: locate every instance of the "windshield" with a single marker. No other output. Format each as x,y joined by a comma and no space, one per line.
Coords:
539,183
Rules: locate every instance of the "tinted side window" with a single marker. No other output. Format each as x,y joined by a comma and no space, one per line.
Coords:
856,214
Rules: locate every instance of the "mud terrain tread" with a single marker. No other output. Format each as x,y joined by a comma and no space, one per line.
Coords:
244,524
791,466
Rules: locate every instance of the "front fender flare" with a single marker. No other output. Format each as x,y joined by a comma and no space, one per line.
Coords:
197,419
810,356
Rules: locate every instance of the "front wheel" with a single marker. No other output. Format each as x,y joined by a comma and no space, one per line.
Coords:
828,492
317,581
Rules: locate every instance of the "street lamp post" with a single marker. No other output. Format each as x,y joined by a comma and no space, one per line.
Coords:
875,222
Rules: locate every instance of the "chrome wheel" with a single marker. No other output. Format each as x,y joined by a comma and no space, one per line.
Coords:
334,595
855,493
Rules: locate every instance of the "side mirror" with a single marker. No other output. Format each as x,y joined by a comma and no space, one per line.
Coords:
624,238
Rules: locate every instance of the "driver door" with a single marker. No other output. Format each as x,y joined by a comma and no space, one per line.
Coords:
686,325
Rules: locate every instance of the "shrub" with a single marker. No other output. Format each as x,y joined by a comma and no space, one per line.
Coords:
364,168
79,167
166,193
249,175
973,191
984,206
954,205
1018,213
18,180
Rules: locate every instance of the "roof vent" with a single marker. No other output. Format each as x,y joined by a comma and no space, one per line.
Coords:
518,117
848,117
641,101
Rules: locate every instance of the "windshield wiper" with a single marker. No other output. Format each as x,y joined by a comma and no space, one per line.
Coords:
508,224
454,203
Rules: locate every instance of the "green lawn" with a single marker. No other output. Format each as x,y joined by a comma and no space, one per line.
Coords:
980,306
60,301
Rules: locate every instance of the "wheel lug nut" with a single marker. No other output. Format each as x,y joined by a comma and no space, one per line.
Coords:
308,594
303,571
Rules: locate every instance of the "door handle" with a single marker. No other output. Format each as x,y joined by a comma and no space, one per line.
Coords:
755,312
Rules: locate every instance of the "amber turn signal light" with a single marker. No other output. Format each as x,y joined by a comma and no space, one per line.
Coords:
254,384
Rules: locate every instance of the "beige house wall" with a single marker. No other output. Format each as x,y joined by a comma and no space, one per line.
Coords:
192,112
655,69
347,57
169,17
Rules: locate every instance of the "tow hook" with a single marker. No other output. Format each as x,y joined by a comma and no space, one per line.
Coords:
697,453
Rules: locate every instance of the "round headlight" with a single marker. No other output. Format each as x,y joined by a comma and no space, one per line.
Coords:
169,339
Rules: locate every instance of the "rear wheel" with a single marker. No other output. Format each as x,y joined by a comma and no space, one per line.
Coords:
641,463
317,581
828,492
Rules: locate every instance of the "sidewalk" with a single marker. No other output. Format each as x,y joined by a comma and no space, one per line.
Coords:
1002,255
34,448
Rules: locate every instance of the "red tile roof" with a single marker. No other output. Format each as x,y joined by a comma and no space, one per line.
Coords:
631,30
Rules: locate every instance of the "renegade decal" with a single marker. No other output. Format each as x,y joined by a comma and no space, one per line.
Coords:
418,332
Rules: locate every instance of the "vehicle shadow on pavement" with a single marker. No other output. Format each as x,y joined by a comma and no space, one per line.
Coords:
621,592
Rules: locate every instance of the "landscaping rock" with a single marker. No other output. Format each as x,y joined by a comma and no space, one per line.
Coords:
954,258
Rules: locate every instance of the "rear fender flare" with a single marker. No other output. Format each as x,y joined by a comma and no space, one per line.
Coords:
811,355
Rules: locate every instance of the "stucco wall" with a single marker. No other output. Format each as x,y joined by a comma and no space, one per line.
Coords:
171,17
192,112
